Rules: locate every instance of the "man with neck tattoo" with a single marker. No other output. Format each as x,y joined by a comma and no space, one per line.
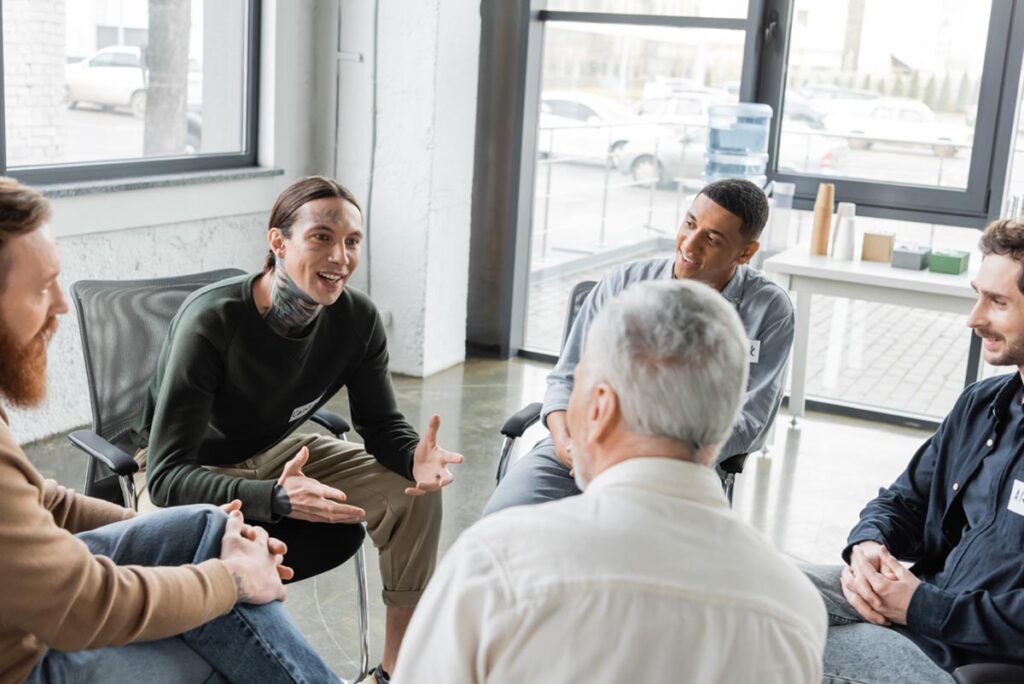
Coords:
249,359
90,592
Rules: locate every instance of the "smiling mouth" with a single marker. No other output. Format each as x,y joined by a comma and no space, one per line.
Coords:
331,277
688,262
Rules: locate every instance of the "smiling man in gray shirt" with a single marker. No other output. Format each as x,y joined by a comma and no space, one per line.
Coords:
715,243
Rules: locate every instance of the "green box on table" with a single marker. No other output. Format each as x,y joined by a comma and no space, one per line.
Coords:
950,261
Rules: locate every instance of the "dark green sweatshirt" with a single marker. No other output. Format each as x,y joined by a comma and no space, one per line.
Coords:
227,387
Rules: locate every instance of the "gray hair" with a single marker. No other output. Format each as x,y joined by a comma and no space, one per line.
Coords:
675,352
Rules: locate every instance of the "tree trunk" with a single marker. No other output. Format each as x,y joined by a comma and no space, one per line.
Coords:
167,77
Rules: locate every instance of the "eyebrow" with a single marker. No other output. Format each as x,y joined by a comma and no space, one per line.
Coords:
987,293
691,218
327,226
49,275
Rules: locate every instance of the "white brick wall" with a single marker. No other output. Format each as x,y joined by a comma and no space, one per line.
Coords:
34,58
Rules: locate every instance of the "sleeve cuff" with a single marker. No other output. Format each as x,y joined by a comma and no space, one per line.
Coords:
928,609
257,499
551,407
280,504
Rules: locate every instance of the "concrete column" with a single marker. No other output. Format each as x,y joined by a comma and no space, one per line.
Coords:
419,214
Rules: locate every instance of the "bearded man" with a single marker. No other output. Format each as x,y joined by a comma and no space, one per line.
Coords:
90,592
957,512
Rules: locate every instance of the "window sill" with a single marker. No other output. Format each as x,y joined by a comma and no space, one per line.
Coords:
88,207
59,190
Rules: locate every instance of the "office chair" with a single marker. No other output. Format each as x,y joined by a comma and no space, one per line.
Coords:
989,673
519,422
123,325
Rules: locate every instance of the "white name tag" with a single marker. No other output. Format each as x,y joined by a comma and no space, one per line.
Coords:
1017,498
304,409
754,351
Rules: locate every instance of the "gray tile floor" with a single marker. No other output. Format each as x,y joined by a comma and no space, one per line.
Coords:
805,494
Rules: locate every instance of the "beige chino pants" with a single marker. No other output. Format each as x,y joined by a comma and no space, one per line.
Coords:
405,529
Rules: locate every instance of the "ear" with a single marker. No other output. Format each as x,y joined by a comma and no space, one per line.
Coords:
605,412
275,238
748,252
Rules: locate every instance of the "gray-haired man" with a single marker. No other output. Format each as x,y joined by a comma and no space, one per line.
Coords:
717,239
648,576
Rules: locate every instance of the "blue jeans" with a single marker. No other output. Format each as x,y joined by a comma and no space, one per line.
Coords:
249,644
864,653
536,478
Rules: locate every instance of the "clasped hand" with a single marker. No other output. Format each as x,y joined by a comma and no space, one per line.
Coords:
877,585
254,559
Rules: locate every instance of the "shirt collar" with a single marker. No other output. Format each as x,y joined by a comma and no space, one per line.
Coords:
1007,393
665,475
733,289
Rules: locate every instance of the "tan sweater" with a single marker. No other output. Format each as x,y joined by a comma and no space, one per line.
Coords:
55,593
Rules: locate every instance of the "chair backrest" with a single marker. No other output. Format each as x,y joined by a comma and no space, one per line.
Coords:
576,298
123,325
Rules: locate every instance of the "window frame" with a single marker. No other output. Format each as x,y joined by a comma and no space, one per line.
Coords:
76,172
973,206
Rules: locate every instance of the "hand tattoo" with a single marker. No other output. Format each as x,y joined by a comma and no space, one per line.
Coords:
240,594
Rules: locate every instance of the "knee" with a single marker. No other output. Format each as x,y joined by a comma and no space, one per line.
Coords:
195,516
202,524
520,486
498,500
822,576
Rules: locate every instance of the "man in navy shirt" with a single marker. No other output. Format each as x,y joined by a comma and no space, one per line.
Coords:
956,512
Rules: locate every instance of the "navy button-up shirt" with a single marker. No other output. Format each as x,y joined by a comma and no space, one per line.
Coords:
958,511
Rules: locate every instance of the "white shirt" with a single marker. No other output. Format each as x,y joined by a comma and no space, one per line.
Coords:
647,576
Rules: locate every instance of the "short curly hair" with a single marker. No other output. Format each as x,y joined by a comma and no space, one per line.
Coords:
1006,238
742,199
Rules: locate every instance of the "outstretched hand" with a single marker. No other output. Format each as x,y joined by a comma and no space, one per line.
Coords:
430,462
312,500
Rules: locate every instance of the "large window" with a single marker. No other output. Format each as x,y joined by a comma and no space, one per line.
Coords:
893,86
908,107
621,136
110,88
909,93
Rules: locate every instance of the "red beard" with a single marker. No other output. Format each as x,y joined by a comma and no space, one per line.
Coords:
23,368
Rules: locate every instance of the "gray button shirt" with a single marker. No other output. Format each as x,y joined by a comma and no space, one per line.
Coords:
767,316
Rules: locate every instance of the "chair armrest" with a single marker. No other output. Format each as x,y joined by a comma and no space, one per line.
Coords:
518,422
989,673
734,464
103,451
332,421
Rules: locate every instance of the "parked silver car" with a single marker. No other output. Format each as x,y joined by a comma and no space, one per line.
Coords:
111,77
585,128
898,121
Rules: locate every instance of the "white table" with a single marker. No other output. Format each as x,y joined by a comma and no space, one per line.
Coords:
805,276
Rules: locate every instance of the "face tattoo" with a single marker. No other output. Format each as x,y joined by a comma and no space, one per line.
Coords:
291,310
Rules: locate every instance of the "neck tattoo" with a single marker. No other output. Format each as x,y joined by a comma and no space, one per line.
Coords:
291,310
